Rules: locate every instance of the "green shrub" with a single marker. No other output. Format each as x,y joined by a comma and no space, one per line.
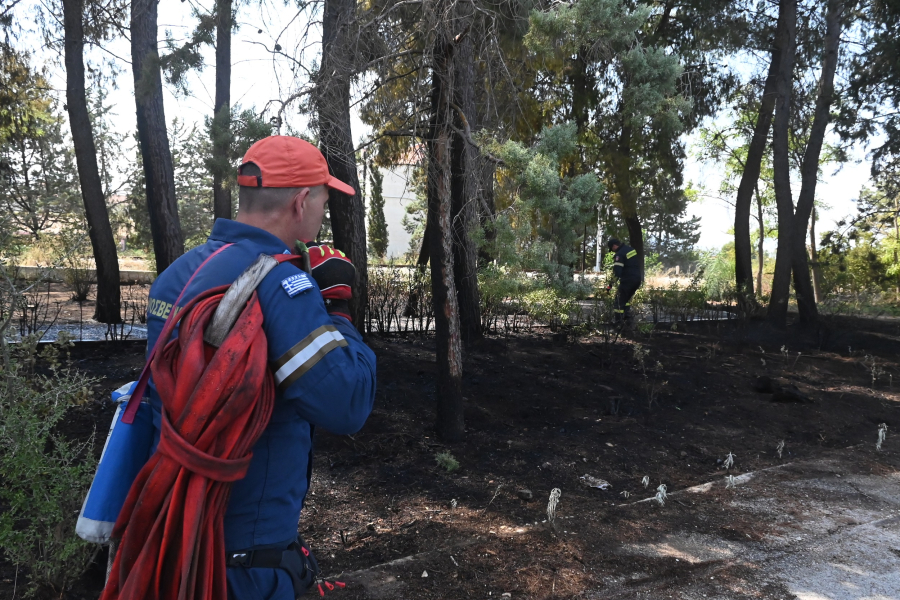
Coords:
44,476
501,293
551,307
446,461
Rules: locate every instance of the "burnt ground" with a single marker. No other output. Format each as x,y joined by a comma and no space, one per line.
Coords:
541,414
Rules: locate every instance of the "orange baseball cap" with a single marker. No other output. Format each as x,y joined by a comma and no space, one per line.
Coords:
289,162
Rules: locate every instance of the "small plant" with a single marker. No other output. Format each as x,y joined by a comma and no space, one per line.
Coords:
446,461
729,461
661,494
871,365
625,494
882,433
555,493
779,448
645,481
730,481
784,354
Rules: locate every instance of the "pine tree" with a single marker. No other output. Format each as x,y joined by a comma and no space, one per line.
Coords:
377,226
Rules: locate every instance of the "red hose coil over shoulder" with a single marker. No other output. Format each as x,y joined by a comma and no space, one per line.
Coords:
216,404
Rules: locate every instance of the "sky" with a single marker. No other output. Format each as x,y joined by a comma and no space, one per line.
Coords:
258,81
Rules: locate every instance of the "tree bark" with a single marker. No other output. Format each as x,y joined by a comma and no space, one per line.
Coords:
786,44
809,169
743,269
761,250
814,256
450,423
103,243
332,98
486,170
464,195
165,228
221,126
627,193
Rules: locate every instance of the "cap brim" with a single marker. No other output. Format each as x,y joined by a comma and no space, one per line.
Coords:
336,184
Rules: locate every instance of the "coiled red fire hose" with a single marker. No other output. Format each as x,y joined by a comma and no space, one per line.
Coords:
216,402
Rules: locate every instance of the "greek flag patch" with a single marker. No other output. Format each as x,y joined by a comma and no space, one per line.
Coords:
295,284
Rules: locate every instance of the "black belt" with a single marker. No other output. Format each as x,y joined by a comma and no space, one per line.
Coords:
297,560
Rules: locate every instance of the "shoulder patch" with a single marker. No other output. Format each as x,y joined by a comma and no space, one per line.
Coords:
295,284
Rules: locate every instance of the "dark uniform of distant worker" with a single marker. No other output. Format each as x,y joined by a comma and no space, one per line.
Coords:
324,372
627,269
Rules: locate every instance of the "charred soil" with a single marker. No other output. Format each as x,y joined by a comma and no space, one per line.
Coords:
669,405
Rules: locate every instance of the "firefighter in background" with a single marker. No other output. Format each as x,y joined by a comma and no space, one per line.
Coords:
627,269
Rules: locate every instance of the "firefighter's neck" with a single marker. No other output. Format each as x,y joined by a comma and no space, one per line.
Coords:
276,223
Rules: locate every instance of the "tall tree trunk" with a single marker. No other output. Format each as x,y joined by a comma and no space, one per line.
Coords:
627,192
165,228
450,423
108,308
897,237
743,270
221,125
809,170
332,97
786,43
760,251
814,256
485,173
464,194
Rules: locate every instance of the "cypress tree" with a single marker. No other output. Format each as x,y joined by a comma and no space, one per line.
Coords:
377,226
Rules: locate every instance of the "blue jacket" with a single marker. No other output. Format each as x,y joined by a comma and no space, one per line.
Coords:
324,373
627,265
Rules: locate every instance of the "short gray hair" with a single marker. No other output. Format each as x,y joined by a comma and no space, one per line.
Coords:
262,199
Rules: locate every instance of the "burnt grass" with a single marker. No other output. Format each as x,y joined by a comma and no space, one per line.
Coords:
542,412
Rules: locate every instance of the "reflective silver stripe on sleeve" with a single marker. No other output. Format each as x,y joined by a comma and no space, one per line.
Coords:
618,264
305,354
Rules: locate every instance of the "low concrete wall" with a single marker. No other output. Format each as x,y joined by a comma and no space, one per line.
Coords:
125,277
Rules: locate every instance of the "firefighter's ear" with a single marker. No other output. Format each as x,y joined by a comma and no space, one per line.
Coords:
298,204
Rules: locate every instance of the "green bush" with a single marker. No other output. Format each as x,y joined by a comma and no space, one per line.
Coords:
551,307
501,293
43,476
446,461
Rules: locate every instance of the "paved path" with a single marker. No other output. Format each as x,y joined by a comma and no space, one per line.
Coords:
826,533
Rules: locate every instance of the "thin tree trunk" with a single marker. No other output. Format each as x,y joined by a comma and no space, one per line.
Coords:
221,126
450,423
809,170
761,256
108,308
786,43
897,236
628,193
464,194
348,213
485,173
814,255
165,228
743,269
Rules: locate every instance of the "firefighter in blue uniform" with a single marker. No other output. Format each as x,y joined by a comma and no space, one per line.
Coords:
324,373
627,269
